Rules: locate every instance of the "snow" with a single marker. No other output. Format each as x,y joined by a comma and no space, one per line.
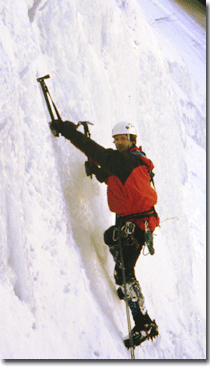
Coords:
109,60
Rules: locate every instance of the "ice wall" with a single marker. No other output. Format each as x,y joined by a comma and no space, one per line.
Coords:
57,291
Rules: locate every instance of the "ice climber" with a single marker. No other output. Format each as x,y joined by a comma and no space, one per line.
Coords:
128,175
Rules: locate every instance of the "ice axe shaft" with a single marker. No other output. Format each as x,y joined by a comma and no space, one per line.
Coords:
46,94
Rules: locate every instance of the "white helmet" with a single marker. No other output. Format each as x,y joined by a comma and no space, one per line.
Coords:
124,127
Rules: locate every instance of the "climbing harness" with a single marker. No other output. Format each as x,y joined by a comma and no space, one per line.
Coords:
148,233
135,216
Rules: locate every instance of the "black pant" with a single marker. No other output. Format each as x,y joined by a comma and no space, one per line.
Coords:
130,250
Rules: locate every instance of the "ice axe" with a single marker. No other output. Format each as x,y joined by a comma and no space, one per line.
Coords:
47,95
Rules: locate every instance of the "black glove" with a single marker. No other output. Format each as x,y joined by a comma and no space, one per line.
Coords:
90,168
57,126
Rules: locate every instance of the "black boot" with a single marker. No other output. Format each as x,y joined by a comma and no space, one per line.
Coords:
144,329
141,320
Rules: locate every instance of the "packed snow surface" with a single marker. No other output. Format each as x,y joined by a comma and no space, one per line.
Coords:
109,60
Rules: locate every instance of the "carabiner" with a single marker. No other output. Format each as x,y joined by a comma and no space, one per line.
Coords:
129,228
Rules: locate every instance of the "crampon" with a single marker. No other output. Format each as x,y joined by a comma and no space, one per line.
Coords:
149,333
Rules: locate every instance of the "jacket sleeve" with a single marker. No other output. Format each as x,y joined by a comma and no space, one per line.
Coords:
101,175
112,161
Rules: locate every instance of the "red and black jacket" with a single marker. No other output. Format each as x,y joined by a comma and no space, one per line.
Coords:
126,174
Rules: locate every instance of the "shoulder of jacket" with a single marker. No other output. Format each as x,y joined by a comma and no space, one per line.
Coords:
137,151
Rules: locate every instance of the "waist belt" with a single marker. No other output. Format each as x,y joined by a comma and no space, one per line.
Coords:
136,216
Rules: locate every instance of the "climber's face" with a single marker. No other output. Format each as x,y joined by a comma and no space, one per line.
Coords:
122,142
